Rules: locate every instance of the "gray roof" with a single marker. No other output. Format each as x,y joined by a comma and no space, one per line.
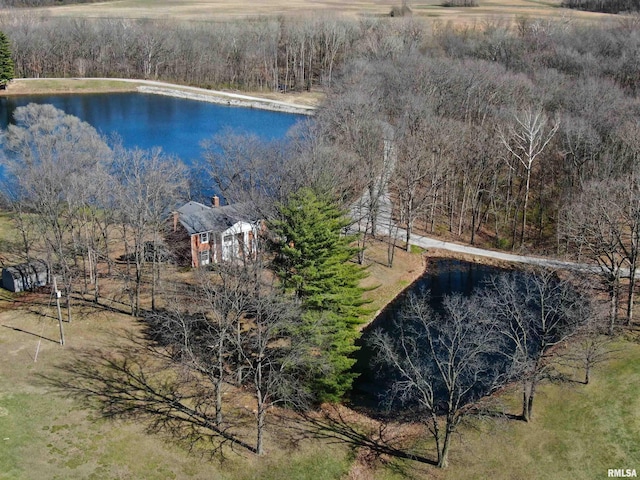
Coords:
25,269
199,218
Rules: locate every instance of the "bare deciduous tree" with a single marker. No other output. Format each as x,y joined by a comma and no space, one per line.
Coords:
273,357
443,364
53,156
590,223
419,168
537,311
525,140
245,168
148,185
590,348
204,327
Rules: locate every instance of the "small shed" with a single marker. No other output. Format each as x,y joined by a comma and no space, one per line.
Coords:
25,276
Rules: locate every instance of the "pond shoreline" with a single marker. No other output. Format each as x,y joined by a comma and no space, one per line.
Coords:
29,86
230,99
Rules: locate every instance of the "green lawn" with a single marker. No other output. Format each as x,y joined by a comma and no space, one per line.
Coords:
45,434
578,431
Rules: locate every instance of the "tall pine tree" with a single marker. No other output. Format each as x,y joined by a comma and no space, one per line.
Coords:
313,262
6,62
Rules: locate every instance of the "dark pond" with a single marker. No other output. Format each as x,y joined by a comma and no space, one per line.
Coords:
146,120
442,277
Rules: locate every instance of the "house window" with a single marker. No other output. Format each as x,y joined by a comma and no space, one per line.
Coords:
204,257
204,237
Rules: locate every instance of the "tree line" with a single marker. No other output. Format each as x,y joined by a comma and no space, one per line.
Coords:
261,54
510,137
615,6
286,53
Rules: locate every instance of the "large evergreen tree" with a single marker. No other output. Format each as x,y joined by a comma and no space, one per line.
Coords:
313,262
6,62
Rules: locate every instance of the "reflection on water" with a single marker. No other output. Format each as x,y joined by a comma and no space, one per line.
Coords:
442,277
145,120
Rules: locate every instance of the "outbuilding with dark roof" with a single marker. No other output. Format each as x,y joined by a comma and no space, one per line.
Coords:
25,276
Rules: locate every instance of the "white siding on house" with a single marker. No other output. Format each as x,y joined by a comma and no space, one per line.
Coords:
230,244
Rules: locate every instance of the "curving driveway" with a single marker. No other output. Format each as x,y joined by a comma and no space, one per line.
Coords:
384,220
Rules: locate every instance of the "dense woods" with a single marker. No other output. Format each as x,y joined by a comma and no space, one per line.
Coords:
501,136
271,54
494,130
604,6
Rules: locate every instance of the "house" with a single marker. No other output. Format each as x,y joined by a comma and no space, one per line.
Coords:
205,234
25,276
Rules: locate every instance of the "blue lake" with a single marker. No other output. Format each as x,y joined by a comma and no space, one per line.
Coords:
146,120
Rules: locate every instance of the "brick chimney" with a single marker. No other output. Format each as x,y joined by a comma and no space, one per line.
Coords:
176,217
215,201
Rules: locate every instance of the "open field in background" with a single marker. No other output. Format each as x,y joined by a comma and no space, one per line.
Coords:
203,10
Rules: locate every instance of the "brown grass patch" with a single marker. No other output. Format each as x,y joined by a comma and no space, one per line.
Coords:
68,85
212,10
387,283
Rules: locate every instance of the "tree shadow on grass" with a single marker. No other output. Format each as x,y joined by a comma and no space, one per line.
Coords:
138,382
31,333
136,378
384,440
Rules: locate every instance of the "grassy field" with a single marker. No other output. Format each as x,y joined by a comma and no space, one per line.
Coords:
578,431
223,9
68,85
46,434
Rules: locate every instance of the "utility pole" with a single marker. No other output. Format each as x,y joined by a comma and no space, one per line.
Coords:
58,294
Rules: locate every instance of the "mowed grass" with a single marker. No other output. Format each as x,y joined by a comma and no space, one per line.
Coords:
203,10
44,433
43,86
8,239
46,86
578,431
